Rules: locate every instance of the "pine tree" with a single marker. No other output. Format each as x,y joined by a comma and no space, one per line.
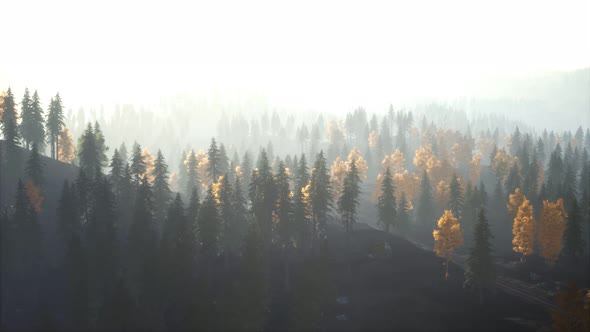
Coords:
479,271
68,213
555,173
55,122
194,205
11,134
123,153
349,197
240,223
223,192
386,203
214,167
573,243
425,210
138,165
88,153
117,168
161,186
284,207
455,197
513,179
263,197
34,168
223,161
208,223
192,175
26,116
101,148
447,238
321,197
403,213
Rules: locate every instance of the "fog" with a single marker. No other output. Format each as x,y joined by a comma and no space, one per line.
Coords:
326,57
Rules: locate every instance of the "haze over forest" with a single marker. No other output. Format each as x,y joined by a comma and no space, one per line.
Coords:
308,165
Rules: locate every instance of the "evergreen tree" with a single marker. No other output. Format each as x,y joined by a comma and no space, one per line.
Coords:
11,135
262,195
124,154
214,156
194,205
162,192
403,212
88,153
456,197
101,148
573,243
513,179
246,167
138,164
224,195
479,272
26,117
117,312
321,197
68,213
208,223
240,223
555,173
349,197
117,169
425,212
386,203
223,160
192,175
55,122
34,168
284,208
76,282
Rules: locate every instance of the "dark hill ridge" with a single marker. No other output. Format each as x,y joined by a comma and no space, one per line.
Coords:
406,291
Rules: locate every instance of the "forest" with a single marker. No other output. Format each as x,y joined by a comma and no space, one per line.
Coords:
283,221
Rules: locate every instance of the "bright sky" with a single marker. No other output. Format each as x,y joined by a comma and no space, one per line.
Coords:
305,53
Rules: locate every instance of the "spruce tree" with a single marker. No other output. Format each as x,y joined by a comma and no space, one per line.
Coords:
555,173
456,197
88,154
34,168
321,197
76,282
55,122
403,213
194,205
162,192
101,148
124,154
425,210
513,179
191,175
226,212
117,168
138,165
479,272
11,135
284,207
208,223
214,156
349,197
386,203
26,117
573,243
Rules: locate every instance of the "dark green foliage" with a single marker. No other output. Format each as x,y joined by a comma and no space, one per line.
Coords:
162,192
101,148
513,180
193,208
76,281
321,196
284,206
479,272
386,203
215,162
573,243
34,167
455,197
55,122
191,176
555,173
208,223
118,310
117,168
9,120
349,197
68,216
88,156
138,164
403,213
425,215
262,196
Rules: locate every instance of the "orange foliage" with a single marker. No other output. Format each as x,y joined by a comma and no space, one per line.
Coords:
515,200
65,151
149,164
523,230
448,237
424,158
475,168
551,228
501,164
34,194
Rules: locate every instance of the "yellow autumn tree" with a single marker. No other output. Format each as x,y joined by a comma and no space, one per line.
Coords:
149,164
424,158
337,179
523,230
475,168
66,152
501,164
360,162
447,238
515,200
551,228
217,187
397,162
373,140
202,165
406,183
34,194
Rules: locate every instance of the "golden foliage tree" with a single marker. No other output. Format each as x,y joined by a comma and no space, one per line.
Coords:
501,164
551,228
475,168
337,179
406,183
34,193
66,152
515,200
360,162
523,230
442,194
424,158
447,238
149,164
373,140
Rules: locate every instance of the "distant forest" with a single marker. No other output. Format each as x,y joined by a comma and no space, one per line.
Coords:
99,232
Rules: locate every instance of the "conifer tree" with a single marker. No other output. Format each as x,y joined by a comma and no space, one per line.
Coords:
573,243
26,117
138,165
386,203
118,310
214,156
262,195
447,238
349,197
240,222
117,168
192,172
425,210
208,223
455,197
76,281
513,179
34,167
321,197
479,272
284,207
555,173
403,213
88,153
223,161
161,186
67,212
192,210
55,122
11,134
101,148
223,192
124,154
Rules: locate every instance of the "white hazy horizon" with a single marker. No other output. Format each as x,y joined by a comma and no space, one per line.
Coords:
320,55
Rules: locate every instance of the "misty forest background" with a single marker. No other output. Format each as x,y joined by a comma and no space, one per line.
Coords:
201,214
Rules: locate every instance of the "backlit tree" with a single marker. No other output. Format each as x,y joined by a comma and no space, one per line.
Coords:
447,238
